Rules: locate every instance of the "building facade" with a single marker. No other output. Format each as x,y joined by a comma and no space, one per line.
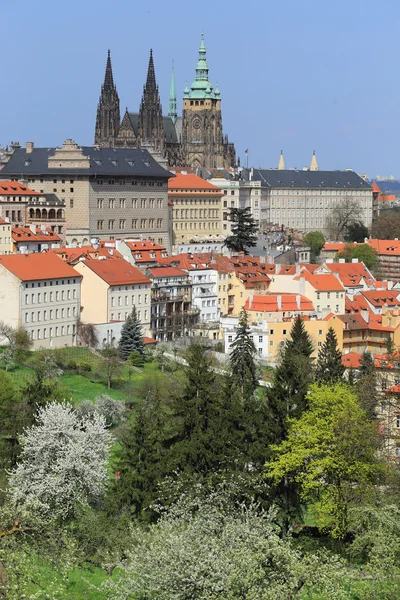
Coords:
40,293
109,193
195,139
5,236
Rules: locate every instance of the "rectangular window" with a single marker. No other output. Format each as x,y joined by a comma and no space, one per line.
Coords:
122,223
398,421
100,203
100,225
260,339
71,203
111,224
134,223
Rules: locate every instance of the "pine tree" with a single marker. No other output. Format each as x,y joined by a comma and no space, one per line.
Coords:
131,336
329,369
366,387
244,230
242,357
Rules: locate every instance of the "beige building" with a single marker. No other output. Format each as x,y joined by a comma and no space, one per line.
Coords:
196,208
111,287
41,293
109,193
5,236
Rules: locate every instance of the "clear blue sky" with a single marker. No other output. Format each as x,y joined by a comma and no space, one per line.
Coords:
294,75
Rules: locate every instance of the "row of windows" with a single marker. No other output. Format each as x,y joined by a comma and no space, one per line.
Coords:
42,180
52,332
194,213
113,203
119,300
195,201
134,182
286,192
48,315
206,225
49,297
136,224
51,282
123,316
314,204
7,240
328,295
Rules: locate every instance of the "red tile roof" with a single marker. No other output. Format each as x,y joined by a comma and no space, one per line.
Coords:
380,297
166,272
322,283
191,182
37,266
375,187
24,234
270,303
351,274
14,188
116,272
334,246
351,360
73,255
3,222
146,245
385,247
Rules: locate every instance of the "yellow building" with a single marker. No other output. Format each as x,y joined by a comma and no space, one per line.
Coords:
196,208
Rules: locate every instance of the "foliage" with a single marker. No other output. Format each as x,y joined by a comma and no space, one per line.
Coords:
386,226
204,549
112,410
131,336
356,232
315,240
19,342
88,334
341,217
242,357
111,363
366,385
244,230
63,461
136,359
363,252
331,453
329,369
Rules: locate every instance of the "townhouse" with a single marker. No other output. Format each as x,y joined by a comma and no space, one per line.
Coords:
5,236
42,294
34,239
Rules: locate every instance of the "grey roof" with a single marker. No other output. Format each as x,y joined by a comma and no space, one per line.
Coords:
291,178
171,134
136,162
53,199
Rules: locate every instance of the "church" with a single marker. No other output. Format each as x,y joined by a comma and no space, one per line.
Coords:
194,139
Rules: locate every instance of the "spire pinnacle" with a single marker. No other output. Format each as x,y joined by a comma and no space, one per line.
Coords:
314,164
281,164
108,77
151,76
172,110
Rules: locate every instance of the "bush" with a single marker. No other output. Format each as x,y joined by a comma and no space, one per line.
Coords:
71,365
84,366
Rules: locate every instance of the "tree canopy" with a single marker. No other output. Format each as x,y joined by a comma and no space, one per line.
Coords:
329,369
131,339
242,357
363,252
316,241
244,230
386,226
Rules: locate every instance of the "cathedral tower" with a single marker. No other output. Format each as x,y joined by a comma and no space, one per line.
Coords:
203,143
108,115
150,124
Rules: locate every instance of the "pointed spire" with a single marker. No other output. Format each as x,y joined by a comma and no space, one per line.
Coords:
281,164
108,77
314,165
151,75
172,110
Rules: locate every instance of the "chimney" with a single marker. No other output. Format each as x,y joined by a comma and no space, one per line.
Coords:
302,287
297,269
298,300
365,315
279,301
32,227
277,268
342,261
29,147
354,260
262,260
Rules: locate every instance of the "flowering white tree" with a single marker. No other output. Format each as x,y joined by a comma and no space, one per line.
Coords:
63,461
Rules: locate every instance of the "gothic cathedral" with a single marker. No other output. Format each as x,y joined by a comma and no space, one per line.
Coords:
194,140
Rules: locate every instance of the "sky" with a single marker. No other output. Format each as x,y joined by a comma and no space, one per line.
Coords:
295,76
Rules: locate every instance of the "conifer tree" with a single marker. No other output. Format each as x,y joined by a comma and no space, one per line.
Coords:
329,369
242,358
131,336
366,388
244,230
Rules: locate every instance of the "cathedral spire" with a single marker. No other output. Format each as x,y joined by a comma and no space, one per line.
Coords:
172,110
150,126
108,115
281,164
108,77
151,75
314,165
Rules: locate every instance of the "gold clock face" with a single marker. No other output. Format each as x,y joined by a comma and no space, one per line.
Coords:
197,123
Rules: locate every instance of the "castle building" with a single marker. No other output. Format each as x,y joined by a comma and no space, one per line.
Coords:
194,139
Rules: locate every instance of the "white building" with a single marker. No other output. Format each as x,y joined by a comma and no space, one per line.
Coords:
41,293
204,293
259,335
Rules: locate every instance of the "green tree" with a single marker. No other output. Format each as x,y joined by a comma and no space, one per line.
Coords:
329,369
316,241
363,252
111,363
366,385
356,232
244,230
331,453
242,357
131,336
346,212
386,226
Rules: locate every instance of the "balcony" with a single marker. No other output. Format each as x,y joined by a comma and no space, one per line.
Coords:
168,297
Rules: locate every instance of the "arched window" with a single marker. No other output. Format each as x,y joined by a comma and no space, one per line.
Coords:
31,213
59,214
38,213
44,213
52,213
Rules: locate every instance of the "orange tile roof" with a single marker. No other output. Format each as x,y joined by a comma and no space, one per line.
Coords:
351,360
395,389
37,266
191,182
24,234
116,272
350,274
380,297
269,303
167,272
322,283
334,246
375,187
385,247
148,341
15,188
3,222
146,245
